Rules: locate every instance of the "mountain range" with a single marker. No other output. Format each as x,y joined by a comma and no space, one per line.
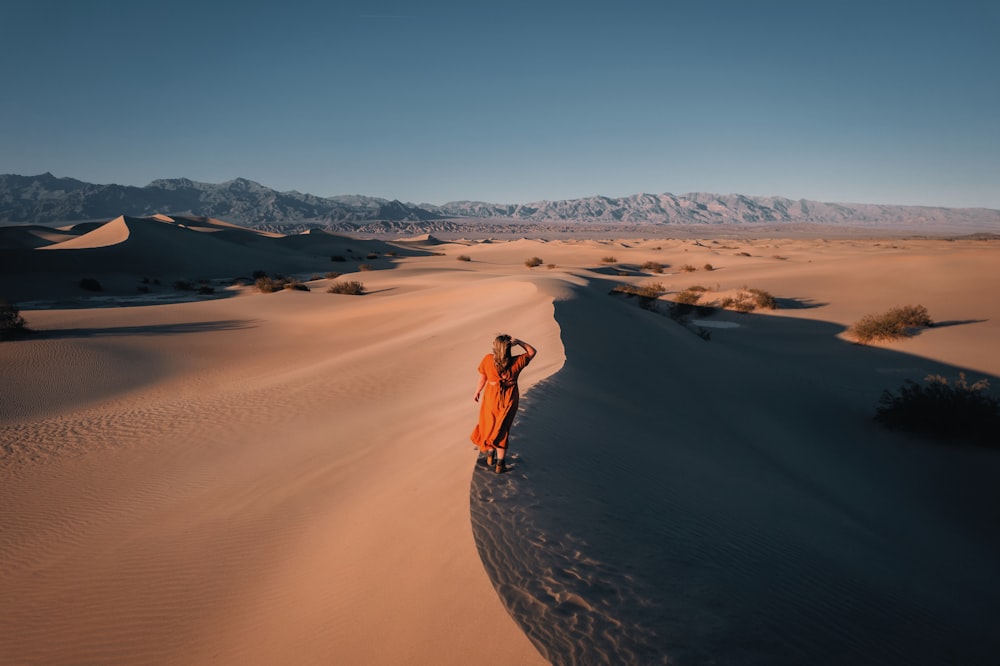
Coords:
45,199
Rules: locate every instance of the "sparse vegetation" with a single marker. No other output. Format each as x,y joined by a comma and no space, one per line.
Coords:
688,268
550,266
464,257
268,285
709,267
891,325
12,324
365,267
350,287
296,285
90,284
609,260
687,297
332,275
534,261
943,410
652,267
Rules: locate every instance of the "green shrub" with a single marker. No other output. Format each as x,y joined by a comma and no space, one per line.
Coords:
90,284
534,261
351,287
891,325
943,410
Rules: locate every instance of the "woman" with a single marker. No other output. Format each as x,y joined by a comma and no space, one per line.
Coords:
498,375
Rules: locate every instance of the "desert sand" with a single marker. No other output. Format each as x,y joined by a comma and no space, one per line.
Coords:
273,478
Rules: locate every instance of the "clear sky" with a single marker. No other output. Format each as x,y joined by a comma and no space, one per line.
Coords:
510,101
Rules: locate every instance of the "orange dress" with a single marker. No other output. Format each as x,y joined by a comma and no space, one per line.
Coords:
498,403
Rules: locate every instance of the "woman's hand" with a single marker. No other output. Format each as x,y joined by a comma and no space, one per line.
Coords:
476,397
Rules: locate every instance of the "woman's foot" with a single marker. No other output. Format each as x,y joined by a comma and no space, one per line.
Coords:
501,466
490,458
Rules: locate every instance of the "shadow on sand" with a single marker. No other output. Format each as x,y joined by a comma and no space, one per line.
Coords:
153,329
735,503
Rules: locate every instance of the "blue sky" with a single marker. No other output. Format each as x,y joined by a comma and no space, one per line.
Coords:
511,101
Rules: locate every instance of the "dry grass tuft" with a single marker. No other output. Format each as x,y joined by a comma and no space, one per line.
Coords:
652,267
534,261
943,410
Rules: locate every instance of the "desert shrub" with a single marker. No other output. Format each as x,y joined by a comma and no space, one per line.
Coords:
550,266
950,411
709,267
351,287
268,285
464,257
12,324
652,267
90,284
365,267
534,261
337,257
697,287
609,260
296,285
371,255
333,275
688,268
687,297
890,325
762,299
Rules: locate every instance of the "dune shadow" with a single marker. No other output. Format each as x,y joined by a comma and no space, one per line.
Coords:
798,303
693,503
151,329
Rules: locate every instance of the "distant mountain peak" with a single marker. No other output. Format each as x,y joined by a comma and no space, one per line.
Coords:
46,198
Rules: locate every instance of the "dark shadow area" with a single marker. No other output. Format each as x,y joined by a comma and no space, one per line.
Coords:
798,303
154,329
957,322
736,504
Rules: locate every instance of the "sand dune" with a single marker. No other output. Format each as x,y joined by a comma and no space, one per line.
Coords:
285,478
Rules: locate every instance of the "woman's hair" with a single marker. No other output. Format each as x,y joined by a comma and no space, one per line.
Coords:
501,353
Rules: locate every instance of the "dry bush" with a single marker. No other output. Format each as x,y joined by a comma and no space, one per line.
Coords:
762,299
534,261
709,267
267,285
332,275
652,267
688,268
296,285
687,297
365,267
12,324
550,266
950,411
350,287
464,257
609,260
891,325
